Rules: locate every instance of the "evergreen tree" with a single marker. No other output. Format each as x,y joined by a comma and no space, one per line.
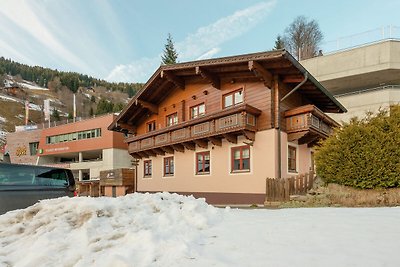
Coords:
279,44
55,115
170,55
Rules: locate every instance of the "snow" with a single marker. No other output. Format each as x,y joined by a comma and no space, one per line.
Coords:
31,86
171,230
2,119
9,98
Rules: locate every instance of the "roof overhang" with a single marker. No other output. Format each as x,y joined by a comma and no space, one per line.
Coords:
254,67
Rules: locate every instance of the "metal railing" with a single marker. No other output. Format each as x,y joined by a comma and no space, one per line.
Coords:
361,39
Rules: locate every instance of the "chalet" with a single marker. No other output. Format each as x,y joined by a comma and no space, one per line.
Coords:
218,128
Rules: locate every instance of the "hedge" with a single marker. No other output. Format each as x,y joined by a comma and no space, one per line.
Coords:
364,153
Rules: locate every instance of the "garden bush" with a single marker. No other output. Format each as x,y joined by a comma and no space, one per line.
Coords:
364,153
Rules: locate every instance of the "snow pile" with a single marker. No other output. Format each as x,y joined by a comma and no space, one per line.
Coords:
135,230
31,86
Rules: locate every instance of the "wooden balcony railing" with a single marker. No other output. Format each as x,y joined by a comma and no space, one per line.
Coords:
234,120
308,121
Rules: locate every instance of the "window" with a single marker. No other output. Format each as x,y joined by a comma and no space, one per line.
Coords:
73,136
147,168
292,159
172,119
241,158
197,111
151,126
233,98
169,166
33,148
203,162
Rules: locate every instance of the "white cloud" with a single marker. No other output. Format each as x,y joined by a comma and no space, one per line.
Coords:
138,71
204,43
210,53
22,14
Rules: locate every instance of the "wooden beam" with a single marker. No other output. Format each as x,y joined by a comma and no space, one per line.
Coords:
212,78
159,151
189,145
217,141
142,154
130,128
201,143
150,153
147,105
249,135
261,72
136,156
293,79
178,147
178,81
168,149
231,138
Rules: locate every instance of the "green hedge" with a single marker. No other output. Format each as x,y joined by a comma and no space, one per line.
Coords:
364,153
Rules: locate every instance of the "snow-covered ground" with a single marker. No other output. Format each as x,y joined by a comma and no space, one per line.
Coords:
171,230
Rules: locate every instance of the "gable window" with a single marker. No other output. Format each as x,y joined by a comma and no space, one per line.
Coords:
147,168
169,166
151,126
233,98
197,111
172,119
203,162
240,158
292,151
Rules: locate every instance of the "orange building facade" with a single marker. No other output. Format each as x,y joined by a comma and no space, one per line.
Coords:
86,147
218,128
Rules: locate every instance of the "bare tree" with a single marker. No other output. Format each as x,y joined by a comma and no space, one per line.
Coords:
302,38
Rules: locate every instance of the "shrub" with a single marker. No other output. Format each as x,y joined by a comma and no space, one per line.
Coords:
364,153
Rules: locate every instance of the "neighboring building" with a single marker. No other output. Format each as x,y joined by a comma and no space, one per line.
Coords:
364,78
86,147
218,128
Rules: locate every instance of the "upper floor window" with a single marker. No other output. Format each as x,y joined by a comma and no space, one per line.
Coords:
197,111
233,98
172,119
73,136
151,126
241,158
292,151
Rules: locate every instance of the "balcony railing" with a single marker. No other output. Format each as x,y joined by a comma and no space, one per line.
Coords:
308,120
233,120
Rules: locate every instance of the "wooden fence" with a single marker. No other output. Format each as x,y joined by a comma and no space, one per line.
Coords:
282,189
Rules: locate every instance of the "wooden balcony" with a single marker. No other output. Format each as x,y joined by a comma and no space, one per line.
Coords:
307,124
228,124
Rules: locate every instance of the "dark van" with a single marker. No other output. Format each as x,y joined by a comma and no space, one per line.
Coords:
24,185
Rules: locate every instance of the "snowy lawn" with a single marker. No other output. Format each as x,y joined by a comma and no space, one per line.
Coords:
171,230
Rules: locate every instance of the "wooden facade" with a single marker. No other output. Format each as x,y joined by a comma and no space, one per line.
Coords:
195,105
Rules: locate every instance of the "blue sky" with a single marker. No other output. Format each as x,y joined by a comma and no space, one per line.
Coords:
122,40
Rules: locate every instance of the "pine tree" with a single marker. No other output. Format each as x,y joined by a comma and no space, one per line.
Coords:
170,55
279,44
55,114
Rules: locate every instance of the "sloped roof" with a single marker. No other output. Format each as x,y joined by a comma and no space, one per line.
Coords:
248,67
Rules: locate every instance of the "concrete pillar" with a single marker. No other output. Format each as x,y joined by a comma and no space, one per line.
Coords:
80,175
80,157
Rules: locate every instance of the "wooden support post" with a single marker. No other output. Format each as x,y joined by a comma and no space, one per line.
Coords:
168,149
231,138
212,78
217,141
178,81
178,147
189,145
261,72
201,143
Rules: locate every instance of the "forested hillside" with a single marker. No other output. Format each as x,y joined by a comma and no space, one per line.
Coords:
72,80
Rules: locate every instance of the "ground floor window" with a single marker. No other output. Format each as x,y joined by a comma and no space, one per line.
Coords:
203,162
169,166
147,168
241,158
292,151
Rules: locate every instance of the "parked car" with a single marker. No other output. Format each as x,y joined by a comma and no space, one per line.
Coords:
23,185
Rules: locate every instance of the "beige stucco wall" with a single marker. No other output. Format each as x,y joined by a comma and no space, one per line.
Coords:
263,164
358,104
